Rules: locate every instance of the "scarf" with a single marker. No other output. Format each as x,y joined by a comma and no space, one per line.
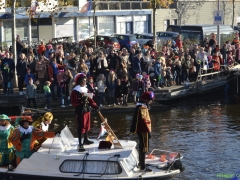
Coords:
100,63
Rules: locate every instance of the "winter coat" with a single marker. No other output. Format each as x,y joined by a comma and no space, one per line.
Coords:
31,91
157,69
27,76
41,69
111,85
7,75
21,68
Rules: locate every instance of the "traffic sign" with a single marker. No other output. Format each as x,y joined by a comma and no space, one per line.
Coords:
218,17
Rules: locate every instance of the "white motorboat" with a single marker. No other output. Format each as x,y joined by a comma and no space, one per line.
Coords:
58,158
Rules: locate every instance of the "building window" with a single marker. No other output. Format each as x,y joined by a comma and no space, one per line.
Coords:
106,25
21,29
67,2
19,3
85,27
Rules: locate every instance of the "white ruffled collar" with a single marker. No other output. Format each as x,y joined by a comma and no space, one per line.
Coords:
4,128
26,131
141,104
81,89
44,126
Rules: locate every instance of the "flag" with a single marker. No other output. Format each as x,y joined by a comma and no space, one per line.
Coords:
102,131
87,7
110,138
33,9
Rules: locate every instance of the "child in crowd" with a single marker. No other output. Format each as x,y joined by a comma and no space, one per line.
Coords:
178,70
90,85
31,93
134,88
157,72
147,82
28,76
48,94
111,85
101,88
118,92
7,78
192,71
125,89
169,76
163,74
62,86
140,86
67,77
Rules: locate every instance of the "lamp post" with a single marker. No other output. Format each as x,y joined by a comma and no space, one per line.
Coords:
14,50
218,26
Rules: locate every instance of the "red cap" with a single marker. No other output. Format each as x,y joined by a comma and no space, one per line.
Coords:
90,77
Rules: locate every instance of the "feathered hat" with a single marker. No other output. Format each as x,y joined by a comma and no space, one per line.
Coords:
4,117
23,118
48,116
147,96
79,76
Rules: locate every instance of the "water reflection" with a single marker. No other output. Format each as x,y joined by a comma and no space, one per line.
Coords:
206,134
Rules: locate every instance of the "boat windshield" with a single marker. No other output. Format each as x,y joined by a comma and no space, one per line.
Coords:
130,163
90,167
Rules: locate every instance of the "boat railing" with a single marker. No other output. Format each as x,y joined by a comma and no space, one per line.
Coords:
160,151
172,157
223,68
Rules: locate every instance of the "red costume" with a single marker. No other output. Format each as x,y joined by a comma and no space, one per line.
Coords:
82,111
82,101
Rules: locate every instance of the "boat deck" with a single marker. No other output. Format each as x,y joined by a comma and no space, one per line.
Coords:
54,146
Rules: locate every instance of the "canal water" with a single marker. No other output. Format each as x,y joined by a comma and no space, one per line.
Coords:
205,131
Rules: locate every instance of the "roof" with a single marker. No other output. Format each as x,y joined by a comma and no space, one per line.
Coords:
123,34
169,32
144,34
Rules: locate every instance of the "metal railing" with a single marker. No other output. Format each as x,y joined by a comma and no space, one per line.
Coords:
119,5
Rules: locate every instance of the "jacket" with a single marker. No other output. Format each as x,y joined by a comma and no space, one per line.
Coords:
21,68
31,91
41,69
157,69
27,76
111,85
51,70
10,63
101,86
41,49
136,65
7,75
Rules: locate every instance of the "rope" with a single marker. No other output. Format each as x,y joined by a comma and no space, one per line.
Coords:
84,163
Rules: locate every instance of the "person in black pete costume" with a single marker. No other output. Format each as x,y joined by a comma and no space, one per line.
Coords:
82,101
141,125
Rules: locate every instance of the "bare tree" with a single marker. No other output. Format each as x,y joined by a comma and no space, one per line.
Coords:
183,10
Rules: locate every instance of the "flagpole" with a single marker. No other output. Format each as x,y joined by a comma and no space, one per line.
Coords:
94,23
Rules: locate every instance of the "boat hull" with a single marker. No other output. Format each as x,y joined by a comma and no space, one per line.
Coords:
13,176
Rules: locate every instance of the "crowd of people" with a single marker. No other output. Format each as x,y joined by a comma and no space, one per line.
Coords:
115,77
